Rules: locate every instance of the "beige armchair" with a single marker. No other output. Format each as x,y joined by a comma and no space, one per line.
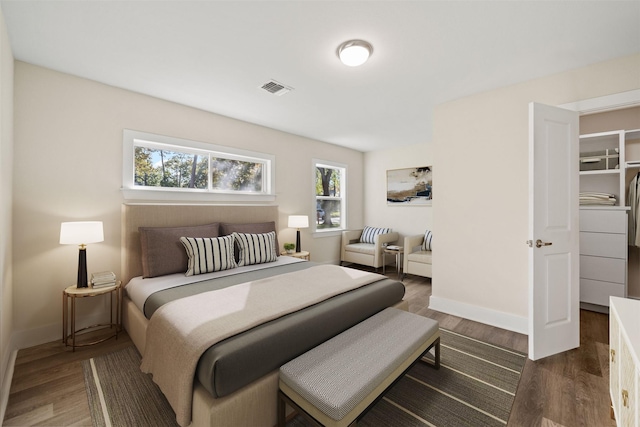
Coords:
365,253
416,261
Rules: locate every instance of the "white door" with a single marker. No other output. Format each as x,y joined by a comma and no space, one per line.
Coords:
554,292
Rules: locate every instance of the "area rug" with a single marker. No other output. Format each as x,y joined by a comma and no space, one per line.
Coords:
475,386
120,394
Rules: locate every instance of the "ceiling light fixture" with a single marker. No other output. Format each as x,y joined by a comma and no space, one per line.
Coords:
354,52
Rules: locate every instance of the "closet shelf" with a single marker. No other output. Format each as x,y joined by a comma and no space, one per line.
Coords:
602,172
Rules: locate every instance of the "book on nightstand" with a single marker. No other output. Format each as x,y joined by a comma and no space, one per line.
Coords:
103,279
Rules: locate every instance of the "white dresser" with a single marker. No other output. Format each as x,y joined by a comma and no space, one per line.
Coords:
624,361
603,253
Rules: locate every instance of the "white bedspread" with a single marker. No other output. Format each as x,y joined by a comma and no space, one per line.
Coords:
180,331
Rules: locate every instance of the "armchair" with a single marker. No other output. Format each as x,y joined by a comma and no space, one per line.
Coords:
416,260
369,254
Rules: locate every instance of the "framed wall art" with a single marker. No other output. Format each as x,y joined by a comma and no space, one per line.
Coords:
410,186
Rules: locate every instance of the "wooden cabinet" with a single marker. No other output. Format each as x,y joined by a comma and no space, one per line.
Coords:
624,362
603,253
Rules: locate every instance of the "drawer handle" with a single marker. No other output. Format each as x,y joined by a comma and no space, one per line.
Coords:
625,398
613,356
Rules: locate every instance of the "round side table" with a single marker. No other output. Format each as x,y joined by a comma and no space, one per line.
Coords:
72,293
398,251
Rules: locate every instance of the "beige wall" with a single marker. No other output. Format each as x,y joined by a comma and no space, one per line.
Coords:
6,191
406,220
626,119
481,215
68,166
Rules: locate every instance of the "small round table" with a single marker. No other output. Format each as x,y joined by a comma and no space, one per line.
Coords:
398,251
72,293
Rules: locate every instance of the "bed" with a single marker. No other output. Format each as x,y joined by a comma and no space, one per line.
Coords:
236,379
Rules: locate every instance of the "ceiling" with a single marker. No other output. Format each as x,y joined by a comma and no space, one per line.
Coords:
215,55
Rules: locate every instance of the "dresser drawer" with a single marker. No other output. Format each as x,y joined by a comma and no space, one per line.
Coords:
604,269
603,244
603,221
598,292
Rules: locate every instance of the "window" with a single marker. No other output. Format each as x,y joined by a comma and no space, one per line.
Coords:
166,168
330,193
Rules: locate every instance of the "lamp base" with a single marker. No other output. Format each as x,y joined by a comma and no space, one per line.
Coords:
298,246
82,269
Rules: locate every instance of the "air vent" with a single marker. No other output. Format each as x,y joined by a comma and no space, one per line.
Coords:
276,88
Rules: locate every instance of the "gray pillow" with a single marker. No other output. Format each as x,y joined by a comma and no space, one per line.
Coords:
162,253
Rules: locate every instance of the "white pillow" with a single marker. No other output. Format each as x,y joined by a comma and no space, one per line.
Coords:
427,242
369,234
256,248
208,254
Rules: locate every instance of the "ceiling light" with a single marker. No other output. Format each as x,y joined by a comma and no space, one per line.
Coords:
354,52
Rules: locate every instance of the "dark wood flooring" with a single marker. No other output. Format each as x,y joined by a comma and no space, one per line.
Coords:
569,389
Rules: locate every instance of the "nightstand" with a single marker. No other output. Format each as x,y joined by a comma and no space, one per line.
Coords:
72,293
302,255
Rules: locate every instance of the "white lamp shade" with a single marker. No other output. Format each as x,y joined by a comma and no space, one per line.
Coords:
81,232
298,221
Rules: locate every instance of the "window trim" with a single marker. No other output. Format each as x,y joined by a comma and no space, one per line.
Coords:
131,192
343,199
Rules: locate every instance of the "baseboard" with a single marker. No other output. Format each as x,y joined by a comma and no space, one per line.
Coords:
476,313
53,332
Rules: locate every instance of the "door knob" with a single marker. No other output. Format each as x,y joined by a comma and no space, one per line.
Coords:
539,243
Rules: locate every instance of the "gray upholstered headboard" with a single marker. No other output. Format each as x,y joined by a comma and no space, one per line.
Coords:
148,215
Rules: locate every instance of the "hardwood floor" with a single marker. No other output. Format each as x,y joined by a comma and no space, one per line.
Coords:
569,389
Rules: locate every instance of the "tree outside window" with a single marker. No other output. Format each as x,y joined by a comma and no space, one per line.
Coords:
158,167
167,168
330,193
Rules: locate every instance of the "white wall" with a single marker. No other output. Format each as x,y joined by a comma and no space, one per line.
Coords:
68,166
481,215
6,192
406,220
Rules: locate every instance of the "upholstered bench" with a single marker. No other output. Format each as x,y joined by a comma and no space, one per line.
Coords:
335,383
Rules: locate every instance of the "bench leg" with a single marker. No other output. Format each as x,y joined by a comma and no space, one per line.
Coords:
436,359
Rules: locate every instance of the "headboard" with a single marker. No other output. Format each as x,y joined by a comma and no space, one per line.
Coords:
149,215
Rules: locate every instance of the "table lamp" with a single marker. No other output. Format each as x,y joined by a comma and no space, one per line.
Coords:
298,222
81,233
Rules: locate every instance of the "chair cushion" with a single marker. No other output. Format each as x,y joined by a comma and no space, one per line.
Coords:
362,248
423,257
427,242
369,234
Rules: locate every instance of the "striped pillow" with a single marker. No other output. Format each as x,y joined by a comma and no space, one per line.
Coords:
256,248
370,233
208,254
427,242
